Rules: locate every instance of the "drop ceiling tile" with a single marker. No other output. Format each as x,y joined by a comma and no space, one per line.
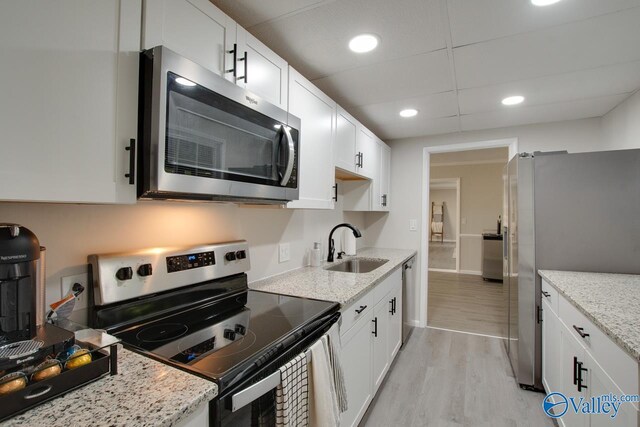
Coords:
596,82
416,126
514,116
315,41
481,20
409,77
429,107
251,12
596,42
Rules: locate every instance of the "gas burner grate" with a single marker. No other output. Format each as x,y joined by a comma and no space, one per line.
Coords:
19,349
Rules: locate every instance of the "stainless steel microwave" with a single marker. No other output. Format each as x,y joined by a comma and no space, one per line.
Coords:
204,138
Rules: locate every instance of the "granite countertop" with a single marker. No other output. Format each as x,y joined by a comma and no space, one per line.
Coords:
335,286
143,393
610,301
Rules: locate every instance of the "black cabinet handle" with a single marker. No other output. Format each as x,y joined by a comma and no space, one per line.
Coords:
245,77
546,294
580,331
539,314
384,200
234,70
391,304
361,160
131,148
394,305
375,327
575,370
580,371
361,309
335,192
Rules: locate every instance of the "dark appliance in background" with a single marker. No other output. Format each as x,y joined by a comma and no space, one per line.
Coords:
574,212
205,138
22,339
191,308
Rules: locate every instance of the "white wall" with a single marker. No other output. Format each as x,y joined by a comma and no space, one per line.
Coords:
392,230
621,126
72,232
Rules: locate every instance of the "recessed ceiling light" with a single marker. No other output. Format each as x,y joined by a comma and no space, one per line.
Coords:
544,2
409,112
184,82
513,100
363,43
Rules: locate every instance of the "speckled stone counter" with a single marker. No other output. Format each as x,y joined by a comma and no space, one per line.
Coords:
144,393
335,286
610,301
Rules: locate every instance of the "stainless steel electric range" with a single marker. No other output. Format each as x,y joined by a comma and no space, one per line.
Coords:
191,308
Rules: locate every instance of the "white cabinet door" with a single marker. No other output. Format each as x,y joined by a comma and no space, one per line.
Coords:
69,85
368,149
600,384
550,348
571,354
345,144
395,320
262,72
317,113
356,363
385,176
195,29
380,346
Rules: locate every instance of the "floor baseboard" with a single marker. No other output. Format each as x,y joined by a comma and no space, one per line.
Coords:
473,272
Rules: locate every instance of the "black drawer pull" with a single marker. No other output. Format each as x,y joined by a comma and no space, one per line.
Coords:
375,327
361,309
580,371
546,294
580,331
131,148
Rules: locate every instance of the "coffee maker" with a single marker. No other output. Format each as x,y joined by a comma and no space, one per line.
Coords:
24,337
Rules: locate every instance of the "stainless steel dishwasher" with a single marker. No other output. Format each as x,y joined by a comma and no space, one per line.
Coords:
408,281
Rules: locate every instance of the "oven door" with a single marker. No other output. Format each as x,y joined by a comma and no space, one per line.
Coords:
251,401
211,139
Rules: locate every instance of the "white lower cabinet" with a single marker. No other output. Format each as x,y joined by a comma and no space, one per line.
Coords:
580,362
370,345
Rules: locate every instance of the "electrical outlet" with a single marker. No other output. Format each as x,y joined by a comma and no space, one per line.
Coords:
285,252
413,225
82,300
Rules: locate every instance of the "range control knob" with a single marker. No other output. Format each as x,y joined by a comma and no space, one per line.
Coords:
241,254
145,270
230,334
124,273
240,329
230,256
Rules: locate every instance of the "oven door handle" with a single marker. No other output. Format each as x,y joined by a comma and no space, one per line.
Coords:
290,157
249,394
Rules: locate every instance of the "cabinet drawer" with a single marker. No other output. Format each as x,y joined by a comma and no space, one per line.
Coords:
387,285
354,312
621,367
550,295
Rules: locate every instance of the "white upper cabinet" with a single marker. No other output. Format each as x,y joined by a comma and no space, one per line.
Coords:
368,152
344,147
69,85
317,113
195,29
260,70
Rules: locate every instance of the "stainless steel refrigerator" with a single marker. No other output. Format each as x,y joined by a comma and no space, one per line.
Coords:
574,212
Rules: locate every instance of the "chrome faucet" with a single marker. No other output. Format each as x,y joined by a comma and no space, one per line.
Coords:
332,248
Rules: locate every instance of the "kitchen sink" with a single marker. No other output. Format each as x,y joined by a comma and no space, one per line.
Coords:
358,265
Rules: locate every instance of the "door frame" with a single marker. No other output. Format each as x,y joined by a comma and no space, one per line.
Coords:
445,184
511,143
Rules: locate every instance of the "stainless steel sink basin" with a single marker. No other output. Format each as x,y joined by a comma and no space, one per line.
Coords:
358,265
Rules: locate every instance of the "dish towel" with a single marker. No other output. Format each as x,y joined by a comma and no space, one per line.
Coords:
328,397
292,395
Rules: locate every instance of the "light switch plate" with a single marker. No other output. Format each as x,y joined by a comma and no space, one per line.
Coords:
413,224
67,284
285,252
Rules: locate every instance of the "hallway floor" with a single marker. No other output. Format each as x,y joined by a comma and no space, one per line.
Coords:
442,255
466,303
444,378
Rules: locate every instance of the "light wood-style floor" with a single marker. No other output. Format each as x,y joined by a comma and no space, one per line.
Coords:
441,255
466,303
443,378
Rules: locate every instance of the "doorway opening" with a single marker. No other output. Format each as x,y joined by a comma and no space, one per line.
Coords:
444,224
465,296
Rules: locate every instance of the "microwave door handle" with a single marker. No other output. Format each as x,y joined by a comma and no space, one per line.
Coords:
290,157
